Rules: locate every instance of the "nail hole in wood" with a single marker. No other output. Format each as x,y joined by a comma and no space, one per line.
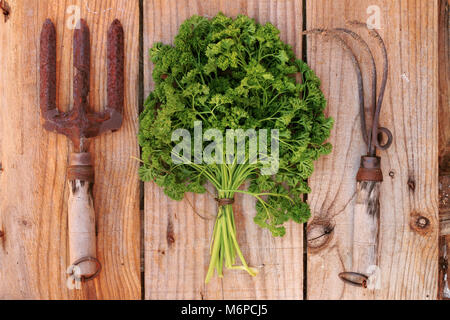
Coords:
420,224
411,184
170,237
391,174
6,9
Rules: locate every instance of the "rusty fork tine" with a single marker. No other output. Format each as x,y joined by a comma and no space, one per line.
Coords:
81,64
335,34
48,70
116,66
366,134
375,128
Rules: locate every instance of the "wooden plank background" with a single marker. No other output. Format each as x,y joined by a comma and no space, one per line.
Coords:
33,195
33,187
176,239
408,263
444,148
444,87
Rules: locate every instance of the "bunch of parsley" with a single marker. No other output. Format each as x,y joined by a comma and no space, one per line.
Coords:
234,74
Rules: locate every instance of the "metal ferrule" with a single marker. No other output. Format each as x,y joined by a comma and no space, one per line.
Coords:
80,167
370,169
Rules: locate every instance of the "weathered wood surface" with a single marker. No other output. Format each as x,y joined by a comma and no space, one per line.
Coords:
34,251
444,88
33,188
444,147
444,240
176,239
409,256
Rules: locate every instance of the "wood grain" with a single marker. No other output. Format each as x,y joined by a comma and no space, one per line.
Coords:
34,252
176,238
409,255
444,88
33,188
444,147
444,239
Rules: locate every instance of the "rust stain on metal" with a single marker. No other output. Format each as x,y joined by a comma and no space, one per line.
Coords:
81,167
79,124
370,169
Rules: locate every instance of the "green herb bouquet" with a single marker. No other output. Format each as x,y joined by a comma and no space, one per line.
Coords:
234,75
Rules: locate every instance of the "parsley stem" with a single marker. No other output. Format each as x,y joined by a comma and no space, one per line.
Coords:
224,245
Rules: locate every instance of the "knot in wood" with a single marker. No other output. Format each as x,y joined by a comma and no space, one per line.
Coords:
318,234
5,9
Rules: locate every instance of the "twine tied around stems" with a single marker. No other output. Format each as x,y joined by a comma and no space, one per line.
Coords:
224,201
220,202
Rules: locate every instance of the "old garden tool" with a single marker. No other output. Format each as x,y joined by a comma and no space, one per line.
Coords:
367,207
80,125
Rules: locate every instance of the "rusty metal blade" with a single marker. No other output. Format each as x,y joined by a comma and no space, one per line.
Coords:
116,66
80,124
81,64
370,109
116,92
376,130
336,35
48,70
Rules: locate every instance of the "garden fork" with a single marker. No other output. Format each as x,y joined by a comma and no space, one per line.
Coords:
365,270
79,125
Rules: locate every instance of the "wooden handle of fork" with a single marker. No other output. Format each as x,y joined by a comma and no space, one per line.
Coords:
365,234
81,216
